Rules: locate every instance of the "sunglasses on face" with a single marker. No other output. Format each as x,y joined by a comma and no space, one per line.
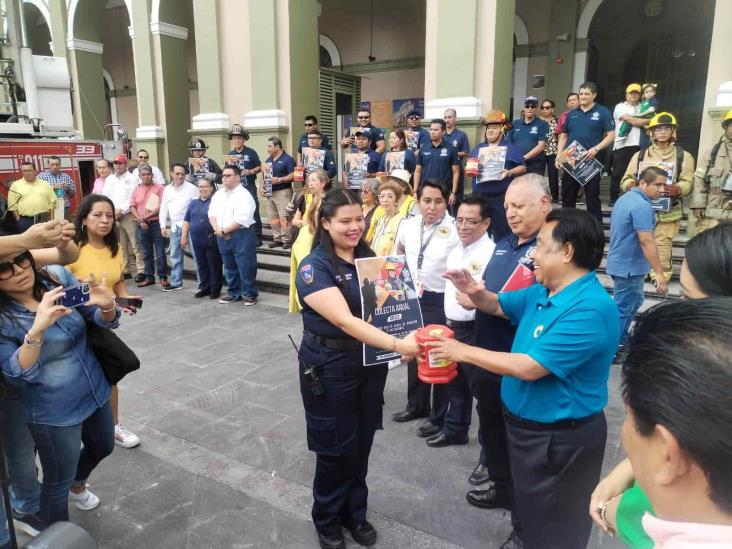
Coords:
413,117
364,117
7,268
308,124
530,105
546,107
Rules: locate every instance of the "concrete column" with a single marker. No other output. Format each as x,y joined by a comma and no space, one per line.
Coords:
57,10
718,96
90,106
212,123
150,134
562,23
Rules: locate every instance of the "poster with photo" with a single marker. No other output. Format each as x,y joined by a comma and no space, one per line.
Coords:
233,159
198,165
312,159
402,107
267,179
412,139
388,301
356,169
663,203
394,161
491,162
581,169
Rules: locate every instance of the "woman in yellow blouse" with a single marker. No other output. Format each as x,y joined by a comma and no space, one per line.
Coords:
406,202
100,255
387,225
317,184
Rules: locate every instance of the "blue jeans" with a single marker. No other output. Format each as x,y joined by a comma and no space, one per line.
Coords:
25,492
64,464
239,253
208,267
176,258
628,296
152,238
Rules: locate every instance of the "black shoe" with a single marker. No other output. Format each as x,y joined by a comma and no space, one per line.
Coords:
441,439
406,415
201,293
287,246
479,475
335,541
139,277
214,295
427,429
513,541
493,497
364,533
274,244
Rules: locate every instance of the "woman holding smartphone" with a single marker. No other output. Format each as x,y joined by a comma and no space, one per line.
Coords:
65,396
101,255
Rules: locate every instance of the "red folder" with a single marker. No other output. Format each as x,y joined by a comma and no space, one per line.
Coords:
521,277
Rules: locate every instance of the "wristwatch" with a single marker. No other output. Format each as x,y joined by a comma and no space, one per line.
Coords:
597,149
32,343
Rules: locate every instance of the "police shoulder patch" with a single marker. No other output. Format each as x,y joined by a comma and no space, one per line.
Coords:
307,274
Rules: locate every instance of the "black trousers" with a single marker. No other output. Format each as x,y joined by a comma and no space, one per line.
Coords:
620,160
570,188
460,399
341,424
553,173
499,224
554,472
210,268
536,165
425,398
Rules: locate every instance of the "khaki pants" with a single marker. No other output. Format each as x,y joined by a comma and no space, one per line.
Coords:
664,235
276,205
706,223
130,247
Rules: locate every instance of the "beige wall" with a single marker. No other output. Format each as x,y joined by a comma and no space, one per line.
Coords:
236,59
535,16
127,113
401,84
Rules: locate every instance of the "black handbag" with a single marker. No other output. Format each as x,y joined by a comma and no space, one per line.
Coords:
116,358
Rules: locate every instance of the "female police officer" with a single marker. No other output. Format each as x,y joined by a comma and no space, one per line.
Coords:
342,398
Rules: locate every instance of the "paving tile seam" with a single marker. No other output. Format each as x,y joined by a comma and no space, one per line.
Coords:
179,458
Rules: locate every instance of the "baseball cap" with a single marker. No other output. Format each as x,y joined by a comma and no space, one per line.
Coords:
531,99
120,159
367,135
414,112
634,87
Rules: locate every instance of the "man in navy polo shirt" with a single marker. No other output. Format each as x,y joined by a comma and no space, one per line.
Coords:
354,175
363,121
592,126
250,166
530,134
555,378
315,141
414,124
281,166
438,160
633,250
311,125
458,139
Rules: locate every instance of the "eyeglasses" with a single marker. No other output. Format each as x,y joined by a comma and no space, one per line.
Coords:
7,268
469,222
140,157
546,107
413,117
364,117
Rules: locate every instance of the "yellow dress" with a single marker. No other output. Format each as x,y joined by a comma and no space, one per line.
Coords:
300,249
385,234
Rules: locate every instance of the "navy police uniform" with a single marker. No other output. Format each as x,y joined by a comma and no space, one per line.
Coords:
325,144
495,191
437,161
410,161
526,136
376,134
342,421
248,160
587,128
459,139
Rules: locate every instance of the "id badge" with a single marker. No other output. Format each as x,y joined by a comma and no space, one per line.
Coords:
418,287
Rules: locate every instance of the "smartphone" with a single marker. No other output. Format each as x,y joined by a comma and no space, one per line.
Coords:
129,302
76,295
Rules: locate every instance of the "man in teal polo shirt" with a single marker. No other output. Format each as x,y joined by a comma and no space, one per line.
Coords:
554,387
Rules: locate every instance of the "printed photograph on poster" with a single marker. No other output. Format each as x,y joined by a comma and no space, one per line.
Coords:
355,169
267,179
233,159
581,169
388,301
491,161
663,203
312,158
197,164
412,139
394,161
402,107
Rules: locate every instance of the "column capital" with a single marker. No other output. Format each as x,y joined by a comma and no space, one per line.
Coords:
150,132
168,29
270,118
210,121
465,107
85,45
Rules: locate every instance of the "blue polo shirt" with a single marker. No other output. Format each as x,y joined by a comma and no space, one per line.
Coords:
526,135
248,160
437,161
574,335
588,128
459,140
632,212
282,167
492,332
377,134
325,144
514,157
423,140
410,161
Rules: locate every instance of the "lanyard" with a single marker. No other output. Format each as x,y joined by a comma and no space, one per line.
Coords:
423,244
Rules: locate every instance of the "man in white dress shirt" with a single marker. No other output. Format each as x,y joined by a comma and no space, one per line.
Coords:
143,157
176,198
118,187
426,240
472,253
232,217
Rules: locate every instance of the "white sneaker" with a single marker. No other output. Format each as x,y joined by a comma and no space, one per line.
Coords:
125,438
86,501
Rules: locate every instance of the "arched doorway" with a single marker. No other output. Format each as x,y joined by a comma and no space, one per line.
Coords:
37,22
657,41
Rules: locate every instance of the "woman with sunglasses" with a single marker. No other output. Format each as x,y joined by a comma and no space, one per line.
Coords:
550,151
101,255
398,144
65,395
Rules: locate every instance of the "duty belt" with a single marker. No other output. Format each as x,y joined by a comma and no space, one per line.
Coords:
333,343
